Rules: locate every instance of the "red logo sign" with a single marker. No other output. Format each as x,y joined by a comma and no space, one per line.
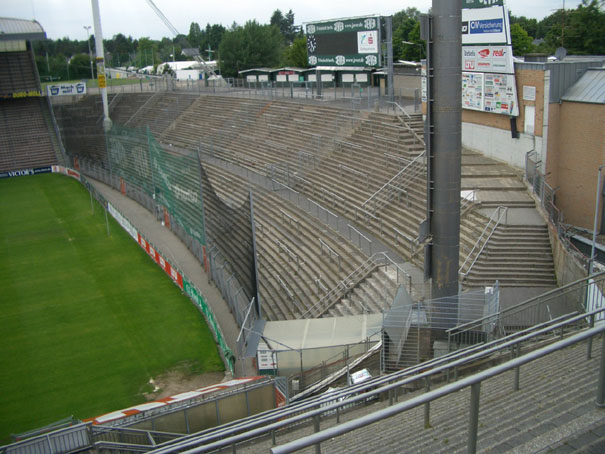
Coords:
484,53
469,64
498,53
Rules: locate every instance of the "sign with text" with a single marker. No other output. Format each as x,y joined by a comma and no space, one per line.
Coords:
487,59
344,42
488,80
78,88
485,25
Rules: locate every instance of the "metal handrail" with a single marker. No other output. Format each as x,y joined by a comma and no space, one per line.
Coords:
318,437
529,304
501,211
391,183
339,290
262,424
420,139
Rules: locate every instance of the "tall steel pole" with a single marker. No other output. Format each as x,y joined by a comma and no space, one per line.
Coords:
445,155
390,82
87,28
101,63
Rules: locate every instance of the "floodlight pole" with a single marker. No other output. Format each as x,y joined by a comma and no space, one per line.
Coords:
102,82
444,154
92,72
390,81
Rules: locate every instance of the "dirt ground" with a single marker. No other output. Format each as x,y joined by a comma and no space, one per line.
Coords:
178,381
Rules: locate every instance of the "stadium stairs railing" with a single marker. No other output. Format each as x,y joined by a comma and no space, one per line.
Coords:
497,217
473,381
582,294
335,403
440,369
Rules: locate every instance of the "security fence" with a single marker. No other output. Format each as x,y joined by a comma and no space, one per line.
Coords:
412,330
580,296
173,180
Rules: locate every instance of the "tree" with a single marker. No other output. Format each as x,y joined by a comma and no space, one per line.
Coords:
404,22
585,33
147,52
296,54
195,36
79,67
285,24
416,50
529,25
522,42
250,46
581,31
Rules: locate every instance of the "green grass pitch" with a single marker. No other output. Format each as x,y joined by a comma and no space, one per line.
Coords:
86,319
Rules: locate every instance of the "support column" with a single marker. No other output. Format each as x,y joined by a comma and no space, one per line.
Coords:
445,153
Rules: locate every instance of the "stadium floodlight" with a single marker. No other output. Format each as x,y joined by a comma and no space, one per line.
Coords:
102,81
87,28
176,33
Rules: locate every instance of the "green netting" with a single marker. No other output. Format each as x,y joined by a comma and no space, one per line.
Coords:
129,156
172,178
178,187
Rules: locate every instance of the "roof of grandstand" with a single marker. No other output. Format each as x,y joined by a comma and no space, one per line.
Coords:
15,29
589,88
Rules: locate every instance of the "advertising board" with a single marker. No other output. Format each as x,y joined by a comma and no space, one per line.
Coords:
79,88
488,78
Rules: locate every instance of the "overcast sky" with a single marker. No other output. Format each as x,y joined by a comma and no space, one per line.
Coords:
61,18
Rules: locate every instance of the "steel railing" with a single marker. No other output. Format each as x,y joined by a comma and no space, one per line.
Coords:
473,381
396,185
490,227
578,296
334,403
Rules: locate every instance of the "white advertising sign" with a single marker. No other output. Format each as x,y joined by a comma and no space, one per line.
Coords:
367,42
485,26
488,80
66,89
487,59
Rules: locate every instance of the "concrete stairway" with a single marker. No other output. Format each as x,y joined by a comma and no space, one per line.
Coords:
517,255
553,411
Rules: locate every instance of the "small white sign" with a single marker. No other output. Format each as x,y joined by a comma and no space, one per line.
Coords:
529,93
367,42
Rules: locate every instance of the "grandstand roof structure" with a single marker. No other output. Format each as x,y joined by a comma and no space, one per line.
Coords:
590,88
20,29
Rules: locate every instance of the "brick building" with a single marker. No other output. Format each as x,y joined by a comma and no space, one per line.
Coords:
561,123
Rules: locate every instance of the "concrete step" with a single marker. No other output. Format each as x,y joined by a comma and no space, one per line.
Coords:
556,394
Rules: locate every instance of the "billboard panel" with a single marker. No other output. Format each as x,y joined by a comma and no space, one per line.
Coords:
488,78
485,26
79,88
344,42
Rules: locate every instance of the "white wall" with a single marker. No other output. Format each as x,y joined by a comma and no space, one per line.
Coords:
498,143
188,74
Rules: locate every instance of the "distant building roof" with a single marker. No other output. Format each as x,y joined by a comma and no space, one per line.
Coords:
590,88
20,29
262,70
289,68
340,68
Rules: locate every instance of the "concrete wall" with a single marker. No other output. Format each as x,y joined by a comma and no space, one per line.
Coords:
498,143
567,268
